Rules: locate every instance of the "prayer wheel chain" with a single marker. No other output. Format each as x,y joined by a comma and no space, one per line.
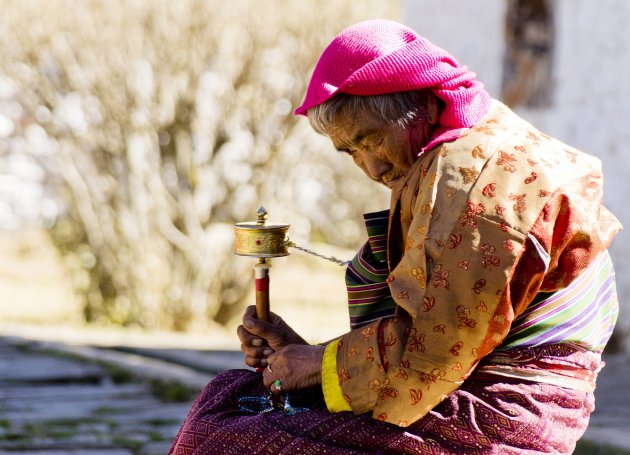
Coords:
340,262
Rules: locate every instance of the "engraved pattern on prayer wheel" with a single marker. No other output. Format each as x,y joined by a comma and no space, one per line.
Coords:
261,241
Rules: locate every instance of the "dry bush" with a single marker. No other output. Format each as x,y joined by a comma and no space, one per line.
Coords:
163,123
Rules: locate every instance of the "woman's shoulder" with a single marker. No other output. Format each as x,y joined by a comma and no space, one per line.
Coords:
504,169
512,156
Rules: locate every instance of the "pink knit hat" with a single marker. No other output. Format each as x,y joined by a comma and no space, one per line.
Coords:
381,56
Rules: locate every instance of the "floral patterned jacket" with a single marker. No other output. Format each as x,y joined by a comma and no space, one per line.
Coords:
477,228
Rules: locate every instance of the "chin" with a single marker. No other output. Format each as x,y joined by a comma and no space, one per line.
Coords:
389,184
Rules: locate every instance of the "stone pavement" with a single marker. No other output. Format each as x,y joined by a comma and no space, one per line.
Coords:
54,402
57,398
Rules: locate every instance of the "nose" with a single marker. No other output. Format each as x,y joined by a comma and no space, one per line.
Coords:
374,167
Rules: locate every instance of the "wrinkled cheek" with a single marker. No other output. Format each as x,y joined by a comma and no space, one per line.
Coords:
361,165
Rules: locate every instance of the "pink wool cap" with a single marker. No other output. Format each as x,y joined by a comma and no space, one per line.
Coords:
379,56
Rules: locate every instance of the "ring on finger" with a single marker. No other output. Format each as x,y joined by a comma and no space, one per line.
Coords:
278,385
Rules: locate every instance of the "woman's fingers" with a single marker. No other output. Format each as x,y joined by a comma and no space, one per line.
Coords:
260,328
254,348
250,312
256,357
256,362
259,339
247,338
256,352
270,375
296,366
275,331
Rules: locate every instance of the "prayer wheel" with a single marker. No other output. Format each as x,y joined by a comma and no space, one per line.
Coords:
261,240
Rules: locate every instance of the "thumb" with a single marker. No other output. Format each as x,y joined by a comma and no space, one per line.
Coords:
257,327
263,329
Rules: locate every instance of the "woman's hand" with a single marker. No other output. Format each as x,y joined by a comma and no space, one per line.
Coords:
259,339
296,366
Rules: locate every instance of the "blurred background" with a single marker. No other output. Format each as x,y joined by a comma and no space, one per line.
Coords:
134,134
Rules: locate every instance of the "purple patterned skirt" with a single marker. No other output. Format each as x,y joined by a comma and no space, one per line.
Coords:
487,414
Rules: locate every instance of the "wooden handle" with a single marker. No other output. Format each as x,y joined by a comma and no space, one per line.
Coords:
261,274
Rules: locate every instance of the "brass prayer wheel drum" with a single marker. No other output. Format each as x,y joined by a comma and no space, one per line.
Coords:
261,240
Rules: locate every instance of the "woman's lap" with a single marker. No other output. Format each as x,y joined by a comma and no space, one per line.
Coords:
479,417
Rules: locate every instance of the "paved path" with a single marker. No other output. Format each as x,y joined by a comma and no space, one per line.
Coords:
53,404
62,399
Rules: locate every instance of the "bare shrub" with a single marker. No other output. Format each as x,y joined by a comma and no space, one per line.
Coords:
164,122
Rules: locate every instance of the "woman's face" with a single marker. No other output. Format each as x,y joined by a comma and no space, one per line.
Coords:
383,151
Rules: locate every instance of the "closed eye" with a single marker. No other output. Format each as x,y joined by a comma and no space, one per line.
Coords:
373,140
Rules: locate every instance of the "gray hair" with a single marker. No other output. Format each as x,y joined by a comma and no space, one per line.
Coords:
401,109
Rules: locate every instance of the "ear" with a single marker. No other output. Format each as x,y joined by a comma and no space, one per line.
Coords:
433,109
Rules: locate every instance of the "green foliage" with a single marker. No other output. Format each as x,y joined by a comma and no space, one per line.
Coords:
172,392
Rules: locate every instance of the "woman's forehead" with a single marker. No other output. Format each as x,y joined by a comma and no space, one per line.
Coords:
350,132
351,129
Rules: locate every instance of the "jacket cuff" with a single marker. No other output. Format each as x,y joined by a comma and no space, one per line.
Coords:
335,402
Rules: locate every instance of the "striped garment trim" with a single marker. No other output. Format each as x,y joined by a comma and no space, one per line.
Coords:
361,303
356,288
369,297
564,296
378,310
584,313
366,266
561,312
377,224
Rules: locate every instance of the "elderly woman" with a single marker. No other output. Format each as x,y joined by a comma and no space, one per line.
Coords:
480,303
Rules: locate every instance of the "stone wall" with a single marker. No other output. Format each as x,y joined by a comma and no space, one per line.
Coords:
589,106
